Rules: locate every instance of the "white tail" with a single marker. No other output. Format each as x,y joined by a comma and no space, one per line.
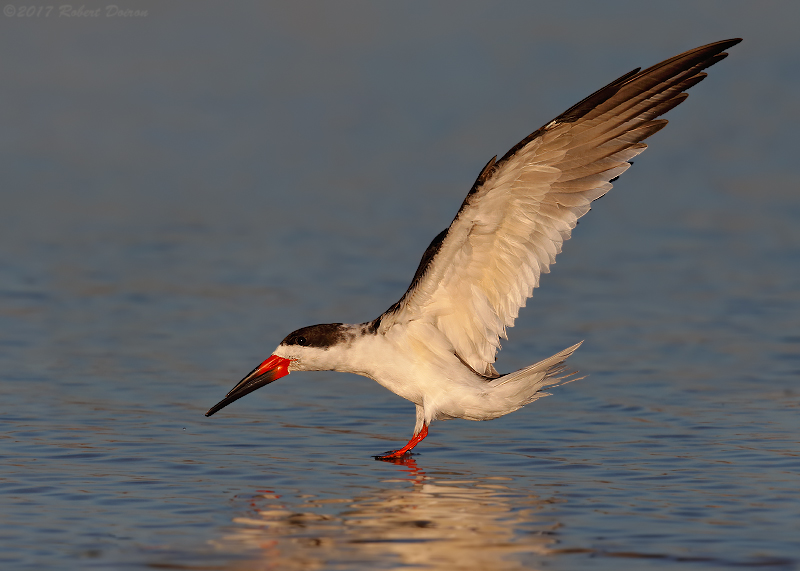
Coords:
524,386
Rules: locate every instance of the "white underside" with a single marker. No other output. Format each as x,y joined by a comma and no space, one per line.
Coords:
417,362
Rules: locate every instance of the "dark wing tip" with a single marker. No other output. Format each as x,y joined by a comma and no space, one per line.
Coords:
700,58
728,43
708,54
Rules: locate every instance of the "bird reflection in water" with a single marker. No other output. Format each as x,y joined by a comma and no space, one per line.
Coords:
415,521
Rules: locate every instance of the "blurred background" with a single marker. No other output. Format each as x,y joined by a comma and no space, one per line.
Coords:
183,183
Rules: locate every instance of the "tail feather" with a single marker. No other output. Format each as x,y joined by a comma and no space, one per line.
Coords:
524,386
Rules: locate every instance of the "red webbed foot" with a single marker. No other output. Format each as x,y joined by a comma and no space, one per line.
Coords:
405,449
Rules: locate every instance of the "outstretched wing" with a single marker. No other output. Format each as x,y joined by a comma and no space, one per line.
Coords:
475,275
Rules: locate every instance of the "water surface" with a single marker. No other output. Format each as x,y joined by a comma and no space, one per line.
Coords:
183,189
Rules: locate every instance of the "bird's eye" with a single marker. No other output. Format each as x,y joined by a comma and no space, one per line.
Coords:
302,341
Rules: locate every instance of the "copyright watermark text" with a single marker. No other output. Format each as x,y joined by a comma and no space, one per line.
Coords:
70,11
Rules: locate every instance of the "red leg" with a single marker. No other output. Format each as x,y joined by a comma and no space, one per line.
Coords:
411,443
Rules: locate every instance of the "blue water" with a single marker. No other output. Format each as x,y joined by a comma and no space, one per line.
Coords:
182,189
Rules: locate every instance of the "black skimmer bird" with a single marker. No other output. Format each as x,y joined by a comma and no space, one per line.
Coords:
436,346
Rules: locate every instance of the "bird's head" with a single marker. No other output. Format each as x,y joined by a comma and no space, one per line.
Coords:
307,349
